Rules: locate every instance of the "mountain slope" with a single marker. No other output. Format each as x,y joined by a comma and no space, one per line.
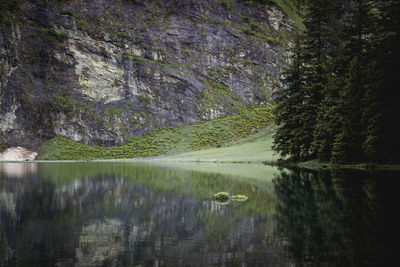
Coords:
101,72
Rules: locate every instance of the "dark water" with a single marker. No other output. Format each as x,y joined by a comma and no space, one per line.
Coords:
129,214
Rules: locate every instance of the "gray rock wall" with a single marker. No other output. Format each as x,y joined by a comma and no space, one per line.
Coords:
100,72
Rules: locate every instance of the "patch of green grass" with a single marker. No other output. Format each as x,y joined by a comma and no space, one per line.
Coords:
227,4
167,140
66,102
111,112
187,52
53,36
216,133
291,11
252,29
216,95
144,99
252,148
288,8
138,60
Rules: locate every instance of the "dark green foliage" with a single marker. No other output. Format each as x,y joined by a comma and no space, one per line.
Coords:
340,103
298,104
53,36
8,10
289,110
380,106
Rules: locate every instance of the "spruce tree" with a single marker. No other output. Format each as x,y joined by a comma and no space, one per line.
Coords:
381,102
289,109
341,102
327,123
347,146
297,135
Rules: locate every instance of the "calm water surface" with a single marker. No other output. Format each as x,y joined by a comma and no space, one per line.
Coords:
135,214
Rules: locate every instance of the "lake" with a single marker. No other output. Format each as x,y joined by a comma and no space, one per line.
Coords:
159,214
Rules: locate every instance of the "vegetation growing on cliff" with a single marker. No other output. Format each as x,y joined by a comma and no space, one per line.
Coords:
7,11
341,98
292,8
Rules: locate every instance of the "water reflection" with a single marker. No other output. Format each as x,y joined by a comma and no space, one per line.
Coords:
122,214
335,218
18,170
87,214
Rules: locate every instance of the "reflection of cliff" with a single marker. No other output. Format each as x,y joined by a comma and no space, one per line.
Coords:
109,220
334,219
18,170
100,242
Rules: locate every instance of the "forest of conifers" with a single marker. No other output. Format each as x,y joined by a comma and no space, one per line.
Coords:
341,100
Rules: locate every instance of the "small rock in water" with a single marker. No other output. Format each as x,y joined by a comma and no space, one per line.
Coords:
225,197
240,198
221,196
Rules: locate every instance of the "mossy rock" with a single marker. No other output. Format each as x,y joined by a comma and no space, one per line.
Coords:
224,197
240,198
221,196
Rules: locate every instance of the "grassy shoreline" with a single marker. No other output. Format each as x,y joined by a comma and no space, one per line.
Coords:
220,132
255,148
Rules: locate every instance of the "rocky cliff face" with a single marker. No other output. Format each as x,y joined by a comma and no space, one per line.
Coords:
100,72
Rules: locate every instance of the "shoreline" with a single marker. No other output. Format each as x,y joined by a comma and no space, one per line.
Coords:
315,165
311,165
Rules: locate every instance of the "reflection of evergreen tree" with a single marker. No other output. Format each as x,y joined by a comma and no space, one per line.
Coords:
330,218
6,255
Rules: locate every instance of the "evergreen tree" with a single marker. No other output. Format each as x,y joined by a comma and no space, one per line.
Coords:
289,107
327,124
296,138
347,146
341,102
382,97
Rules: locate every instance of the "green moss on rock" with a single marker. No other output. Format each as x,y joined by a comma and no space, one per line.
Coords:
224,197
221,196
240,198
